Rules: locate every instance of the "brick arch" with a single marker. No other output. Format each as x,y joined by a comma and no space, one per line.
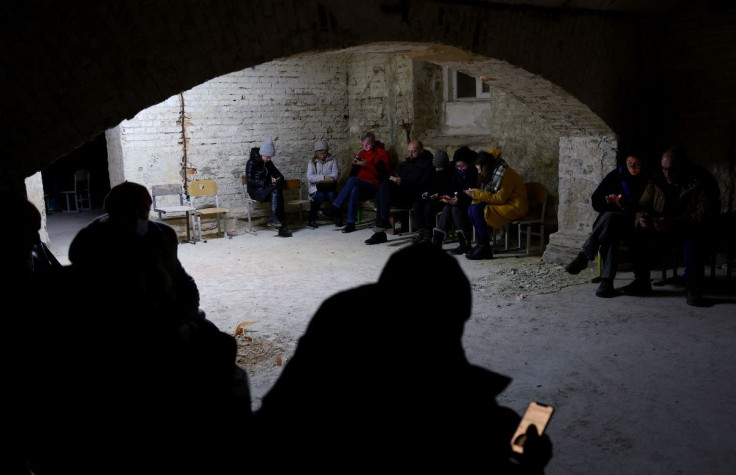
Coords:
75,71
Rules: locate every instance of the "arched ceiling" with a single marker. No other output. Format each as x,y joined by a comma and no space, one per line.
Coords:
72,70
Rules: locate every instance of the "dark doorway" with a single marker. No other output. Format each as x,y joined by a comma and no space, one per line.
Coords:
59,175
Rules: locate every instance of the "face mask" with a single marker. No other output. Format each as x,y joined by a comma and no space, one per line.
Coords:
141,227
462,172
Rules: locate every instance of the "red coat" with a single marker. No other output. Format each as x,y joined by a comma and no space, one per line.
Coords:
370,172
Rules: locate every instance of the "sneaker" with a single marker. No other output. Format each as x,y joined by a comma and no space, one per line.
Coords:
284,232
578,264
377,238
481,251
606,290
313,224
637,288
338,222
349,228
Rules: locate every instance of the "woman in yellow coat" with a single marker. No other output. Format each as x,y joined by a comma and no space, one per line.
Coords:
499,199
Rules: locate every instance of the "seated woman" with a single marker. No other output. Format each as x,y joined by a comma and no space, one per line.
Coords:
322,174
499,199
615,199
464,175
265,184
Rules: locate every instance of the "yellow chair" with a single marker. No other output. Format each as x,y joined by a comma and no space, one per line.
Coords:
537,197
206,190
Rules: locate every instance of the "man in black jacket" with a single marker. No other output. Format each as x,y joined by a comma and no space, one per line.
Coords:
403,189
265,184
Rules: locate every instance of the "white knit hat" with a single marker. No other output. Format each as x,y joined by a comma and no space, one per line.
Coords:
320,145
267,148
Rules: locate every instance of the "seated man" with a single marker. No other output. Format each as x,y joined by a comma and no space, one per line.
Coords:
403,190
369,168
265,184
680,206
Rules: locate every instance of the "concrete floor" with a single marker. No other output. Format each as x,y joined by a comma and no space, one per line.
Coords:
641,385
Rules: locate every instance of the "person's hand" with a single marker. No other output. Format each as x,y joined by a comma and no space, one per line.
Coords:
453,201
425,195
644,221
660,224
396,179
329,178
537,449
470,192
358,161
613,199
274,180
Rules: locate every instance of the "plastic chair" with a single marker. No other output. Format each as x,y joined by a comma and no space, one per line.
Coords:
296,184
537,197
201,190
159,194
81,193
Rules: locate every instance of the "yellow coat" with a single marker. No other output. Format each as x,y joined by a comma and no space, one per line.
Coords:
507,204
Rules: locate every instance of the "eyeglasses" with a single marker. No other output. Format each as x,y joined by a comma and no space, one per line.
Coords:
635,166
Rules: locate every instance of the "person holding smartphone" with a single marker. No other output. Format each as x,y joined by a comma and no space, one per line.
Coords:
266,183
410,399
369,168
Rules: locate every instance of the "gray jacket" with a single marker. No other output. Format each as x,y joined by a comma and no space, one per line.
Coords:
317,170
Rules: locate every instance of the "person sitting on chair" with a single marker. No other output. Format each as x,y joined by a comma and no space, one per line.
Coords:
615,199
499,199
266,184
322,172
680,205
369,169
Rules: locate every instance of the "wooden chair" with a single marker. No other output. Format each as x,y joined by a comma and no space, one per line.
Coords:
81,193
296,184
249,202
159,193
537,196
202,190
393,215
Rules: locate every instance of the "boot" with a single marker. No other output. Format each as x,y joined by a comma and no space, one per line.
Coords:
284,231
605,289
274,221
578,264
482,251
438,237
421,236
313,208
464,246
332,211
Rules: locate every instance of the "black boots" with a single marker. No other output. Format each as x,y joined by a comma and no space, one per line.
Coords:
274,220
424,236
284,231
482,251
377,238
313,208
464,246
606,290
438,237
578,264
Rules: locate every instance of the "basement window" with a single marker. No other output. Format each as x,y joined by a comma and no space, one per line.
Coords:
466,87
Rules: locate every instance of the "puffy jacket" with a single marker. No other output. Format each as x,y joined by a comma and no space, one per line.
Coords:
507,204
259,173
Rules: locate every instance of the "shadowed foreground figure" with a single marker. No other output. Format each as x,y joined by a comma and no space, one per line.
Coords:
124,375
374,386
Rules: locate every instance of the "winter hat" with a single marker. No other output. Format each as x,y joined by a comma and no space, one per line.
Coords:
495,152
440,159
267,148
320,145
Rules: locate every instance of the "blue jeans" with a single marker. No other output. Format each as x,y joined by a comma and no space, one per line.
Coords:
475,212
319,197
354,190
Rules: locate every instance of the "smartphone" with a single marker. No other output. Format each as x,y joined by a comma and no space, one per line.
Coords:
538,414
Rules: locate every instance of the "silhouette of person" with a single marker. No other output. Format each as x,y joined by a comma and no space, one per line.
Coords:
402,394
125,372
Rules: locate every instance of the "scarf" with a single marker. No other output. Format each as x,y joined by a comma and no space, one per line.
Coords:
498,173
